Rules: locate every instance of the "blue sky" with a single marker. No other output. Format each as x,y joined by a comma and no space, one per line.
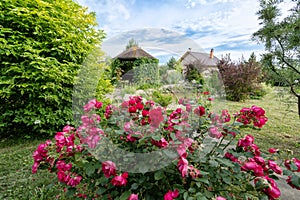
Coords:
169,27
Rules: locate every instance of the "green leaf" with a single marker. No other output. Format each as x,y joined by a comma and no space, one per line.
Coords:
71,192
200,196
159,175
134,186
90,169
287,172
101,191
203,180
225,162
295,180
213,163
293,167
125,195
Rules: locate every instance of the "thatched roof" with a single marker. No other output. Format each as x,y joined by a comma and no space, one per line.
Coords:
198,59
134,53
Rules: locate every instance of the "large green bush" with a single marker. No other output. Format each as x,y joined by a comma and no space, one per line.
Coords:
42,46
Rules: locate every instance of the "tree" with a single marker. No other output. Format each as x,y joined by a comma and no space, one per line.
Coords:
172,63
132,43
281,38
241,80
43,44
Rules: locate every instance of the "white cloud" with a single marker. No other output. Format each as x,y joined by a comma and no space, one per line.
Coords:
208,23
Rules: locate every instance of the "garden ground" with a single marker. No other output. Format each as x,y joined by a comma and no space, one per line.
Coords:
17,182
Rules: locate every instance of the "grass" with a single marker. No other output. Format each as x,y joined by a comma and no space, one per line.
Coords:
16,179
17,182
282,128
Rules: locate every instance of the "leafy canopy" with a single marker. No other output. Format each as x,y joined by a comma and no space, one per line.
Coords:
281,37
43,44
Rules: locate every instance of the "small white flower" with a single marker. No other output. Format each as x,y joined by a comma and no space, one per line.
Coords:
37,121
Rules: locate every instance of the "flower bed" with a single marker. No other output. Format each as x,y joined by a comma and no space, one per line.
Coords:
139,150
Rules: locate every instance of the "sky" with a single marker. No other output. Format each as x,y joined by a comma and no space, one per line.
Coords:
166,28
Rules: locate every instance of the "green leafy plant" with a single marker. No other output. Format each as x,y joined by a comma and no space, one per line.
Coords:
138,150
43,44
162,99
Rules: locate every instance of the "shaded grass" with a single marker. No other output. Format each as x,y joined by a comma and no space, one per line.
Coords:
16,179
282,130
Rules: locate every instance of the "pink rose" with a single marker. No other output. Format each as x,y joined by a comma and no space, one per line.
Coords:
214,132
200,111
132,109
220,198
120,180
133,197
145,113
162,143
109,168
68,128
273,150
92,140
156,117
35,167
92,104
73,182
253,166
183,166
225,116
170,195
194,172
188,107
287,164
61,165
258,111
260,122
272,191
139,106
273,165
231,157
246,141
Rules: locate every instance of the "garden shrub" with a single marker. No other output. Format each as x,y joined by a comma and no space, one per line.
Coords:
140,150
147,73
241,80
43,44
193,74
162,99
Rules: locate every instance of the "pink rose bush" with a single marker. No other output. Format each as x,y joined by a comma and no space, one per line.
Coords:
202,157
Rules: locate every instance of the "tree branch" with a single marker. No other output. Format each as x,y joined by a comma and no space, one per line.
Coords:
283,56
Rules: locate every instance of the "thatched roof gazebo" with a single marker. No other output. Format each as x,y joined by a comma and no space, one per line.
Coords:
133,53
130,58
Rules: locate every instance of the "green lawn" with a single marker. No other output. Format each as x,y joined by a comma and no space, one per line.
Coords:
17,182
283,127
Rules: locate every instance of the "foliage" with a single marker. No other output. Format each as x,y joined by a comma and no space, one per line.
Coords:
191,150
171,77
43,44
281,37
172,63
193,74
92,81
240,79
119,68
146,73
162,99
132,43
